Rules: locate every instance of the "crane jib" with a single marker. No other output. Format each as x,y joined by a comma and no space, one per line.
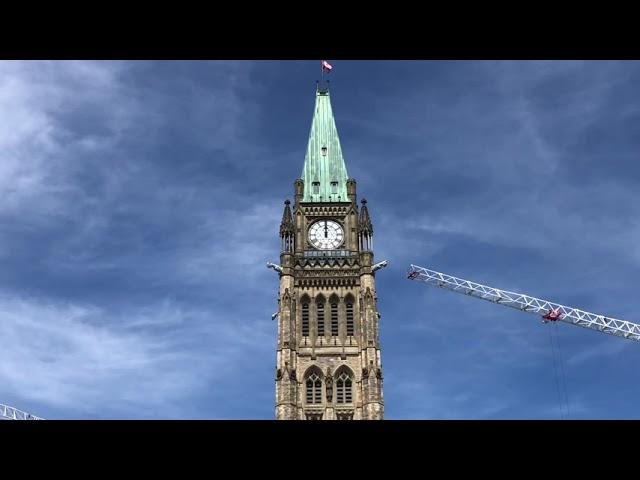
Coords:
549,311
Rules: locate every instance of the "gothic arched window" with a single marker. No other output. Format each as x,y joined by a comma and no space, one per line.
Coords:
334,316
314,389
320,316
305,317
349,309
343,388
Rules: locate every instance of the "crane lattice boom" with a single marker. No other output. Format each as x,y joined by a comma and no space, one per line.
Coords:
10,413
548,310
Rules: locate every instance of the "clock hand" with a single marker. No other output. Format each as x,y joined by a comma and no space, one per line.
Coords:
325,229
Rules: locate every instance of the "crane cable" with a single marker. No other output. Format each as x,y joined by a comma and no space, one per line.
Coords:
556,376
562,369
559,371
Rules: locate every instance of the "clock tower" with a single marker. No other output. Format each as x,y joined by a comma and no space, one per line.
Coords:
328,364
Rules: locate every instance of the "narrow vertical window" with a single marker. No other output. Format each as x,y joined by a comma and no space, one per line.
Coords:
317,391
334,319
316,187
305,319
349,318
334,187
309,391
343,389
321,319
314,389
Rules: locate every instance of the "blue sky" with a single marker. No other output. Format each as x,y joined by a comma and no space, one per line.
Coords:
141,200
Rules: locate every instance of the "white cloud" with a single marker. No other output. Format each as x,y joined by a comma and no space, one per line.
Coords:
84,357
518,192
81,358
38,153
235,245
59,114
145,362
63,162
606,347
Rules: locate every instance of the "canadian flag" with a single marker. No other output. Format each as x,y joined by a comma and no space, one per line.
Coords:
326,67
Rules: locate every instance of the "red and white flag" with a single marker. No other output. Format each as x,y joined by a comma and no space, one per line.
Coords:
326,67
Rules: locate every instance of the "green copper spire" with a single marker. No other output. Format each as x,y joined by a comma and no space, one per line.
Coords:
324,174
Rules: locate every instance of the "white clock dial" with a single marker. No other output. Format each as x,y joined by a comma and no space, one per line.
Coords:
326,235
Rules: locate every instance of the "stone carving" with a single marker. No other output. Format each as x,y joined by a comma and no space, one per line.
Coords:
286,297
329,383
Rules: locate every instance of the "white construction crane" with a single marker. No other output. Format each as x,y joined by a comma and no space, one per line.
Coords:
549,311
10,413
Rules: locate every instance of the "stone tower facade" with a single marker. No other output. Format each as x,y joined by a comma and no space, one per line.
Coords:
328,364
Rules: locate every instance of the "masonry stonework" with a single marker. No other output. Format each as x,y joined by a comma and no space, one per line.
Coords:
328,364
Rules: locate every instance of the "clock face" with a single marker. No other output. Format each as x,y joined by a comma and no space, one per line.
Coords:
326,235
